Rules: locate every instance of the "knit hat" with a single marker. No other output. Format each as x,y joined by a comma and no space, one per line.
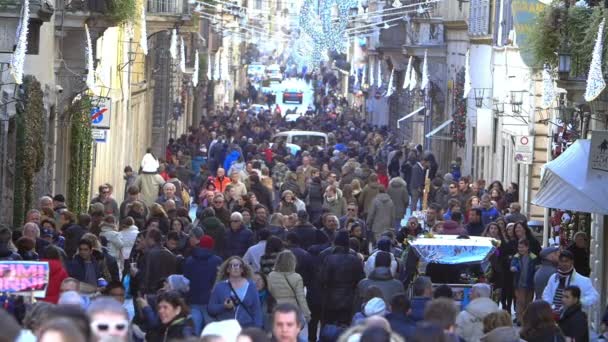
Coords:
197,232
207,242
59,198
342,239
374,306
178,283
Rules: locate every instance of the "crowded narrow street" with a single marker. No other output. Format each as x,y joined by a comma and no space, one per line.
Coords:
303,171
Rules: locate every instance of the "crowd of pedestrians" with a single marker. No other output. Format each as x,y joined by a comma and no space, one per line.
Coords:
231,236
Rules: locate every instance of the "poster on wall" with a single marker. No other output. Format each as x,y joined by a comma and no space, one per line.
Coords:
27,278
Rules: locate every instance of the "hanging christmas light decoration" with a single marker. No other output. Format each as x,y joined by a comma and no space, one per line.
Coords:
379,69
467,75
397,4
357,76
413,80
18,57
425,73
195,72
548,89
225,69
408,74
90,81
143,38
595,79
217,75
182,56
209,74
390,88
363,76
173,46
371,74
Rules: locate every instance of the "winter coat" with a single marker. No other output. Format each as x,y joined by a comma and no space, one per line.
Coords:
417,305
178,329
267,262
573,322
542,275
402,324
307,234
114,238
288,288
314,197
263,195
589,295
381,215
453,228
238,241
7,255
56,276
417,177
370,264
201,269
76,269
213,227
502,334
337,206
232,157
469,322
287,208
397,190
529,281
581,260
221,184
72,235
149,187
291,184
158,263
110,206
382,278
367,196
552,334
305,265
339,276
248,313
254,254
128,236
489,215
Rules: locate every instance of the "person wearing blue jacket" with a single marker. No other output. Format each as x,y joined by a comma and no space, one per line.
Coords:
201,268
238,238
235,295
523,266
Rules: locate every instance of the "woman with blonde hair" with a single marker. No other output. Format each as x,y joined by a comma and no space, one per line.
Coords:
287,286
235,295
158,212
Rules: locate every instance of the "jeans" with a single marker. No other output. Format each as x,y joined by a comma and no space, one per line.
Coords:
200,317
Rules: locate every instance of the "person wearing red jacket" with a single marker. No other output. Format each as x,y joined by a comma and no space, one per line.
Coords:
57,273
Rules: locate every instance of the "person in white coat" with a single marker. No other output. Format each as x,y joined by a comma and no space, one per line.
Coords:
469,322
128,233
111,234
566,276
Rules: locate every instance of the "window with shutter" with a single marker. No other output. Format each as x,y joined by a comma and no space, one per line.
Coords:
479,17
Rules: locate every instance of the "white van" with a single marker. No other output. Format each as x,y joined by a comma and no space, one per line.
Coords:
302,137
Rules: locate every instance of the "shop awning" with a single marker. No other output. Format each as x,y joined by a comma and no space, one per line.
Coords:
409,115
567,185
439,128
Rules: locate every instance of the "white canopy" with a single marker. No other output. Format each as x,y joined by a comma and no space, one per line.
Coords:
567,184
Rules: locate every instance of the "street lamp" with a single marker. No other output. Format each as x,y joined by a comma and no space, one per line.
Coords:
565,64
517,99
499,107
479,93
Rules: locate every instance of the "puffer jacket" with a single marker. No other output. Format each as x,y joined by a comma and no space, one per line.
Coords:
382,278
469,322
381,215
178,329
397,190
115,242
367,196
288,288
339,276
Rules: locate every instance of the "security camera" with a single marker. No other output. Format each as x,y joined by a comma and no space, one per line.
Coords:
59,89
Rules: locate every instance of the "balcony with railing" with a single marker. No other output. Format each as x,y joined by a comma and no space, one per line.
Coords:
40,10
168,7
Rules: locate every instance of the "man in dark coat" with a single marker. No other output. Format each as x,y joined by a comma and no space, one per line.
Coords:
340,273
201,268
305,231
260,191
399,317
305,263
573,320
238,238
158,262
85,266
213,227
423,292
417,182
